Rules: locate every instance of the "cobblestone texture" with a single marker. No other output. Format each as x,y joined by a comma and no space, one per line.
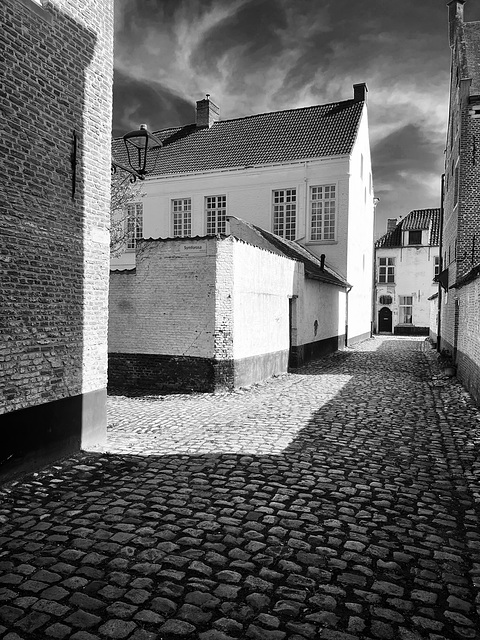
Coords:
340,502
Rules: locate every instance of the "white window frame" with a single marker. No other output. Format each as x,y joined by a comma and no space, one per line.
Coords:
181,217
436,266
405,303
215,214
386,270
322,226
134,223
284,213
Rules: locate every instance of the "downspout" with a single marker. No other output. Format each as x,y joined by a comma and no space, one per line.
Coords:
346,314
440,266
305,202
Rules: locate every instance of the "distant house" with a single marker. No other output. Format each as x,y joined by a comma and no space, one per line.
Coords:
220,311
407,262
302,174
459,292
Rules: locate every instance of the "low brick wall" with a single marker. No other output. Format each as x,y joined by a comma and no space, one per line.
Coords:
139,374
411,331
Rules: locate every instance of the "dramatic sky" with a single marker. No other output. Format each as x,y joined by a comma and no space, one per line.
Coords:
254,56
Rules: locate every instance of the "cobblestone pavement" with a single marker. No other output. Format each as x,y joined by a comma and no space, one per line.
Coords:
339,503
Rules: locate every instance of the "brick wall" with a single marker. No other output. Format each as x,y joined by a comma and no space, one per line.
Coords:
55,79
167,304
468,344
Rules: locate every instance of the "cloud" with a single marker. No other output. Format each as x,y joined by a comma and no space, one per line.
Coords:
135,102
254,56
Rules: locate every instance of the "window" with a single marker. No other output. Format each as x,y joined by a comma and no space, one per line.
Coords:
134,224
386,270
285,213
415,237
405,308
182,217
323,212
385,300
436,266
216,212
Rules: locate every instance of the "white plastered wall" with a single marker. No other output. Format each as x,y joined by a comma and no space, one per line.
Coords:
359,273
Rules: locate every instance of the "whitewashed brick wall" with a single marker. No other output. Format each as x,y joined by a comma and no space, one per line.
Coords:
167,305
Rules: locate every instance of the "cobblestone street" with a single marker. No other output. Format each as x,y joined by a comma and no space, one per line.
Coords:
341,502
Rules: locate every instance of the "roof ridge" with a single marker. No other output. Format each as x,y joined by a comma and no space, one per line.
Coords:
267,113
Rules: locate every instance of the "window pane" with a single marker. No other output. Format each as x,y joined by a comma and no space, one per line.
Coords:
216,212
182,217
322,212
285,213
134,224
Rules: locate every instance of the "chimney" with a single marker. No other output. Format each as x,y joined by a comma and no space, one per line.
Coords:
455,18
391,224
360,92
207,113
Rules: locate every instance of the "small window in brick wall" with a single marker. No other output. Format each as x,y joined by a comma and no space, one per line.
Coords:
385,299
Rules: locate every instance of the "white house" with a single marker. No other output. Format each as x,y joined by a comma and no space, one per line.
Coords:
303,174
407,261
220,311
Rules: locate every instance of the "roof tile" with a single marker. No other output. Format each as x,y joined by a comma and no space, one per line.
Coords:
267,138
416,219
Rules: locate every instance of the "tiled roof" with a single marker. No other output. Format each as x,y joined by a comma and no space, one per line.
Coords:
280,136
415,220
260,237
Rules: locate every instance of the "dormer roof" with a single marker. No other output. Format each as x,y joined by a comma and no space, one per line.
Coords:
416,220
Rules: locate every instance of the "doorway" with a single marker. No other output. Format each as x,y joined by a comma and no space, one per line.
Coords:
385,320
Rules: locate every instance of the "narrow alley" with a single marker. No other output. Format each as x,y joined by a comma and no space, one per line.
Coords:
340,502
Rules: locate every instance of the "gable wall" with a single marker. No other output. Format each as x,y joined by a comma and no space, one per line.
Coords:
414,272
359,271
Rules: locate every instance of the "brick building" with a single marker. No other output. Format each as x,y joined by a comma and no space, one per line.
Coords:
407,262
303,174
459,318
220,311
56,74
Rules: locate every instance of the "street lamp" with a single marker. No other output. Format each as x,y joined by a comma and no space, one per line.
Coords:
142,153
139,145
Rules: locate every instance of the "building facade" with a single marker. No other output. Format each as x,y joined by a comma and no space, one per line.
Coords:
302,174
459,320
56,96
407,262
221,311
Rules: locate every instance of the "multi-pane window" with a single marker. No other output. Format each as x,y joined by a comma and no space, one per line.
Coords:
216,213
385,300
285,213
406,309
323,206
134,224
182,217
436,268
386,270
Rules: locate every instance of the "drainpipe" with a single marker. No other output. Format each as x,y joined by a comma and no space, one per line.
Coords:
346,315
440,266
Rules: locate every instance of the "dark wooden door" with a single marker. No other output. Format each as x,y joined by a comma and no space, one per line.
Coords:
385,320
